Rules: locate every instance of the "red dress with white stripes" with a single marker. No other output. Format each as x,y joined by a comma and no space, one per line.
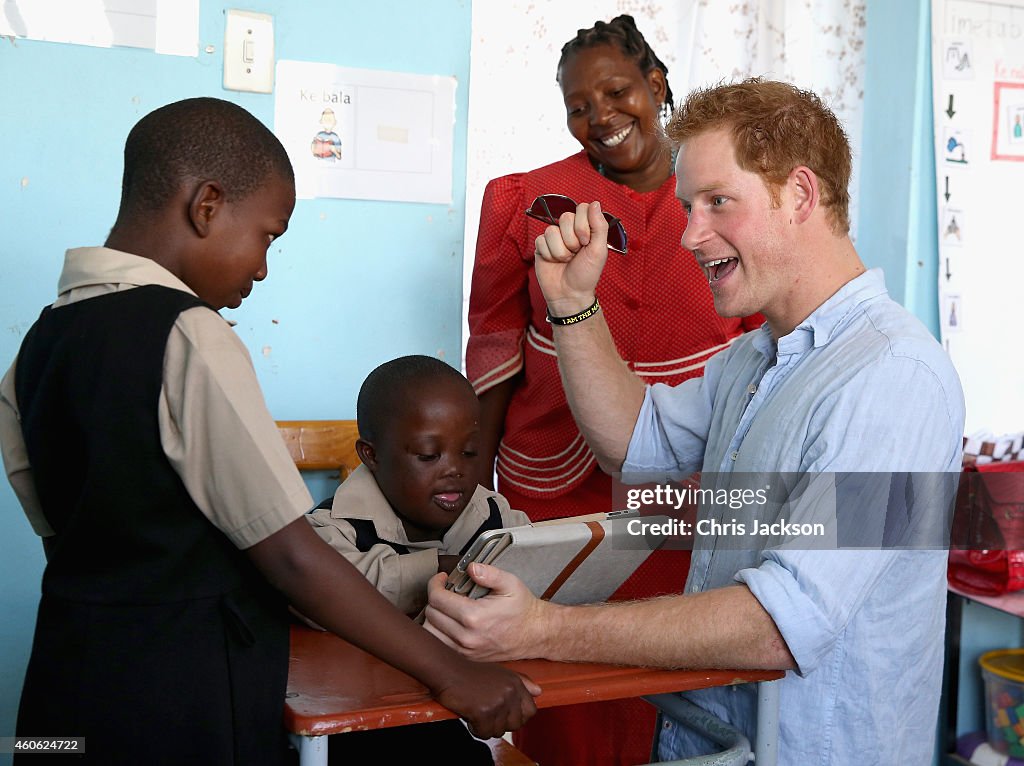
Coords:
660,311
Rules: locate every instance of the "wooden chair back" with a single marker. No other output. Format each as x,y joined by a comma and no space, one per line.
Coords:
322,445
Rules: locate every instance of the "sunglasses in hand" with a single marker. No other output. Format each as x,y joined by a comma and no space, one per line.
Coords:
549,208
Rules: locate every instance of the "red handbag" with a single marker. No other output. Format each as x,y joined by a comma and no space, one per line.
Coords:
986,552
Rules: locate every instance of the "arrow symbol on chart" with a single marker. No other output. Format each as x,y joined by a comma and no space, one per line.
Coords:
947,188
948,272
950,111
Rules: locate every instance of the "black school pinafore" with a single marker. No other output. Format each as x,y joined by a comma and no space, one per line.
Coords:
156,639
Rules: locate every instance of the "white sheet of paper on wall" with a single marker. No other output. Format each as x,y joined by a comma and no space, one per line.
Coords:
164,26
366,133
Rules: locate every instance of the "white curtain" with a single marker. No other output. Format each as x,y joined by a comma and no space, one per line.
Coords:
516,116
814,44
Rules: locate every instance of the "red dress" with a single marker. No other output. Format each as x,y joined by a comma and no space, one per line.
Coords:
660,311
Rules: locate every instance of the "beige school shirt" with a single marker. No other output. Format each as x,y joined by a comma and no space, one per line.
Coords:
215,428
402,578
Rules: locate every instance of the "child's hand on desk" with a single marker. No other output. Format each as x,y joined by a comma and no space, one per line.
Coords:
490,698
506,624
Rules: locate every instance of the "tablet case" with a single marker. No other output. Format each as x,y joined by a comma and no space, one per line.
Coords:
568,561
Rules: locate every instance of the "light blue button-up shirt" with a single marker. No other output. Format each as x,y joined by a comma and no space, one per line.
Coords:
859,386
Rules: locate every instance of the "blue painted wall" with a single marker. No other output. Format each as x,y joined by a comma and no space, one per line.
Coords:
353,283
897,227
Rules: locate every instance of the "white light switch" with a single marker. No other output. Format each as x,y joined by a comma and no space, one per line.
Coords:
249,51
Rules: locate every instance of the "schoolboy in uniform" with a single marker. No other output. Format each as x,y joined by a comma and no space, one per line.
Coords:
415,505
410,511
136,438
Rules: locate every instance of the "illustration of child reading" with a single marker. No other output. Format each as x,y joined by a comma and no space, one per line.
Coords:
327,144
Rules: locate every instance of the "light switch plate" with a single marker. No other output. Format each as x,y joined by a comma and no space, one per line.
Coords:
249,51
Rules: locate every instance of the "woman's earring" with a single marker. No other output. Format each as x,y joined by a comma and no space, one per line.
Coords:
665,113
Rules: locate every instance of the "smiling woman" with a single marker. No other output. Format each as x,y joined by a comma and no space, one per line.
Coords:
613,96
657,304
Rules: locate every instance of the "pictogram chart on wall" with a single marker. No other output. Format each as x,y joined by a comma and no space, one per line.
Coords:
978,89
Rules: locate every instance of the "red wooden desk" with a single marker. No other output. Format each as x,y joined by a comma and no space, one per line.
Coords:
333,687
